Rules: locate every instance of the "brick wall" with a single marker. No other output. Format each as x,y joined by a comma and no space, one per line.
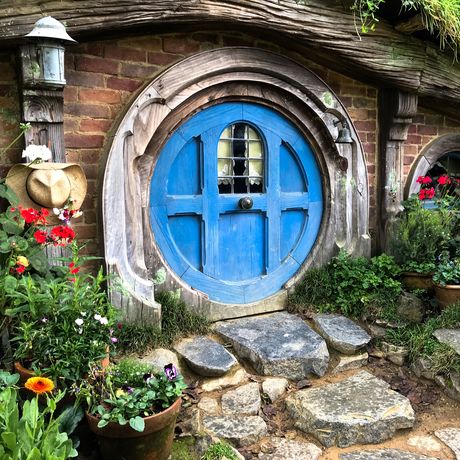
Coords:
104,76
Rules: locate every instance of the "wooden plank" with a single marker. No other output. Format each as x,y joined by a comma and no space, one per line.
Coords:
325,27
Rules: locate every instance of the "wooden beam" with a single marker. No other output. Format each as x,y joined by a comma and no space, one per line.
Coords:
324,28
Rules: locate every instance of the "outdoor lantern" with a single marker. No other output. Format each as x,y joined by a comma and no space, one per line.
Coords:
43,57
344,136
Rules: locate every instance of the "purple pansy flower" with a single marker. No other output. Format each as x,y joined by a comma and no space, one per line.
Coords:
170,371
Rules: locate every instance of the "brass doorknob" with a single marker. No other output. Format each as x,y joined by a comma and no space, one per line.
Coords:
245,203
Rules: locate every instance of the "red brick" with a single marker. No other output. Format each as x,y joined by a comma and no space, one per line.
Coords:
371,92
93,48
358,114
371,137
87,110
369,147
137,70
414,139
83,231
124,54
70,93
69,61
408,159
371,169
410,149
92,187
372,114
347,101
90,156
412,129
206,37
73,140
179,45
348,90
162,58
124,84
96,64
90,217
365,126
71,124
419,119
145,43
108,96
72,156
84,79
90,125
434,119
429,130
364,102
91,171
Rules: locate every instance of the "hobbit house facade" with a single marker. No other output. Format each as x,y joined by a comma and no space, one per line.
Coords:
226,161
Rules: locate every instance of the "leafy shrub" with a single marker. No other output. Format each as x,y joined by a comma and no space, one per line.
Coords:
354,286
219,450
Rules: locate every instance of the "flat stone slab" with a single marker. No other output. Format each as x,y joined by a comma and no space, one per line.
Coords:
274,387
242,400
384,454
161,357
205,356
286,449
451,437
341,333
278,344
361,409
239,430
348,362
450,337
425,443
237,378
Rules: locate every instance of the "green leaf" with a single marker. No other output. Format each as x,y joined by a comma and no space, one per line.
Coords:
102,423
9,439
137,423
10,284
70,418
12,227
9,195
34,454
39,261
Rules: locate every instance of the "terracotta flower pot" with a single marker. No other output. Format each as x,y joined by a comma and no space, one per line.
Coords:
447,295
24,373
414,280
121,442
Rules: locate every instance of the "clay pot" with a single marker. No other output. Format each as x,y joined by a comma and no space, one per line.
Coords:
447,295
121,442
24,373
414,280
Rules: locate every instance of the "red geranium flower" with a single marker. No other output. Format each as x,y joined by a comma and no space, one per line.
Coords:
40,236
73,269
33,216
424,180
62,235
20,269
444,179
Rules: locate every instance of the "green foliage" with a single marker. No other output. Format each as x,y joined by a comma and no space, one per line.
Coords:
129,372
354,286
218,451
112,400
447,272
440,17
420,341
419,237
32,433
176,321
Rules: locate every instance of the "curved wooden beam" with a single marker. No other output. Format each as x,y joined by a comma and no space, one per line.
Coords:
323,27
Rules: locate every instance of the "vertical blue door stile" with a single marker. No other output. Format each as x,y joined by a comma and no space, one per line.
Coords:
235,255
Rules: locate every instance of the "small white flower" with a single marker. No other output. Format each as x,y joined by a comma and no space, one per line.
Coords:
97,317
83,313
79,321
77,214
80,330
104,320
37,152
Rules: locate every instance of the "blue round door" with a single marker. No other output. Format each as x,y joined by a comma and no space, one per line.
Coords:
236,201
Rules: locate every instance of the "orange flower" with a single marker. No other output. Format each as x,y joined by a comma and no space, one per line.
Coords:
39,385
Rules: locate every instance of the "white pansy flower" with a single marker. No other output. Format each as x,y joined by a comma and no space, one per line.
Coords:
83,313
104,320
97,317
79,321
36,152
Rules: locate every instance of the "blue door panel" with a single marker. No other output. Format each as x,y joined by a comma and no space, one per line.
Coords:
241,246
184,176
292,226
186,232
231,255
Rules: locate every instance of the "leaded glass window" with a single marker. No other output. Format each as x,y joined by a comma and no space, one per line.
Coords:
240,160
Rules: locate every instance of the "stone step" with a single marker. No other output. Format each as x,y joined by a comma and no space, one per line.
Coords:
341,333
286,449
205,356
451,437
361,409
277,344
384,454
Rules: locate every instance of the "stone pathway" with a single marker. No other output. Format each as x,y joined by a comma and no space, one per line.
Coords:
356,410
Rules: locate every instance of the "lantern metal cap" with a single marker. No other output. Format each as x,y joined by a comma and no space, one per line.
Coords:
49,27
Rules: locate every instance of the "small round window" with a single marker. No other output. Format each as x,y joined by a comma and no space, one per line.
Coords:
240,160
449,164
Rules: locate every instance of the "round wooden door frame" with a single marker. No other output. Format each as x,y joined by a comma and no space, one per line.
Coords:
224,74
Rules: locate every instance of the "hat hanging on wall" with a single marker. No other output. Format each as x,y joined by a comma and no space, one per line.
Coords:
48,185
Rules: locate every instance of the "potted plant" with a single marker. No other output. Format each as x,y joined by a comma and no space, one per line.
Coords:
447,282
133,410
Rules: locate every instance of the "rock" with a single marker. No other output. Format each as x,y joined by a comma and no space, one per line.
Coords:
208,405
239,430
161,357
450,337
377,332
425,443
205,356
291,450
278,344
411,308
361,409
421,367
240,376
274,387
383,454
451,437
341,333
242,400
347,363
397,355
450,385
375,353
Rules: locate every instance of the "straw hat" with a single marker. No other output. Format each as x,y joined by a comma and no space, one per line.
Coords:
48,185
